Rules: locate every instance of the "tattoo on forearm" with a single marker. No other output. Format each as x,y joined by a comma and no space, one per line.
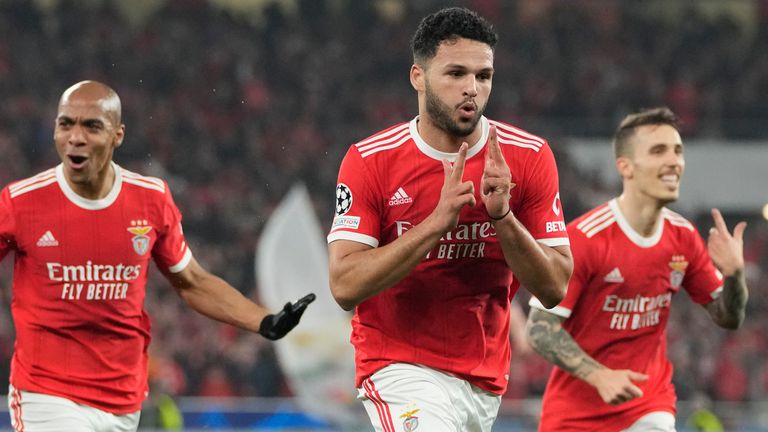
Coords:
556,345
734,297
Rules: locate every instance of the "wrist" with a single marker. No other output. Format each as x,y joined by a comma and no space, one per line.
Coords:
498,218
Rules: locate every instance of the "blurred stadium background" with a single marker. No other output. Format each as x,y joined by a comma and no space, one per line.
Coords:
236,102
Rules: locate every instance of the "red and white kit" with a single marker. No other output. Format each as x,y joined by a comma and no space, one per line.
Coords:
451,313
616,309
80,276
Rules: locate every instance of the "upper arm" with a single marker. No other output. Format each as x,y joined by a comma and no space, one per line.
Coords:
191,276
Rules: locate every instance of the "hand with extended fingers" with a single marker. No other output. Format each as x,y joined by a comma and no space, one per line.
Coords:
455,193
496,183
726,250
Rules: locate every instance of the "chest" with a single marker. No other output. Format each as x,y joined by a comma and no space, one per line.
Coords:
63,233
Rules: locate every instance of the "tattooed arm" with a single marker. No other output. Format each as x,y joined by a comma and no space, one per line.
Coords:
727,252
547,336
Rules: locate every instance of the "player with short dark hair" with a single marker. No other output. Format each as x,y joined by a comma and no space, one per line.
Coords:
438,220
631,255
83,234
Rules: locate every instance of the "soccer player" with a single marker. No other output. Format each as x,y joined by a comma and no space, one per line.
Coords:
433,218
631,255
83,234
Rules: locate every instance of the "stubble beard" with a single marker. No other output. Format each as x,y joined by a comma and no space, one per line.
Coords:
441,115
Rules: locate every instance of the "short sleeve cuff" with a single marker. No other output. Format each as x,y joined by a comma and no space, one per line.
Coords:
560,311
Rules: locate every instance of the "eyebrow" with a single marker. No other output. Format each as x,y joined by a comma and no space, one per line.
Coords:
87,121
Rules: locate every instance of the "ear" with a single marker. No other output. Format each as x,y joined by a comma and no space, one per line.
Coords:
119,135
417,77
625,167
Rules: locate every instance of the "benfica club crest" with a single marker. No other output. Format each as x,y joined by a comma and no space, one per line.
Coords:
410,421
678,266
140,240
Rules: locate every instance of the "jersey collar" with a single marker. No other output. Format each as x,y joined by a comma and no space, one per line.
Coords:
439,155
634,236
86,203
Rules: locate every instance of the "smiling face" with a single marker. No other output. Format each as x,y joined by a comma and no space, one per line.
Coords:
654,165
86,133
454,86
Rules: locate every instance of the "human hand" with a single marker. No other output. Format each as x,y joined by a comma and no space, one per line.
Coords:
496,183
616,386
275,326
455,193
726,250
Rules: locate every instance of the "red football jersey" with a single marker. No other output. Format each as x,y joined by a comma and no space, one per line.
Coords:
452,312
79,282
616,309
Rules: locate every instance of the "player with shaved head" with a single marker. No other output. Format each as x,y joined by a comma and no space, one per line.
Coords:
83,234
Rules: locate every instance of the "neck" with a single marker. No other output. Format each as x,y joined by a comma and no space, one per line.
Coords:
95,188
643,215
441,140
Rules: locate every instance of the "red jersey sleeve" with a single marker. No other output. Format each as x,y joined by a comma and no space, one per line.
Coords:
580,278
540,210
357,209
701,279
171,250
7,224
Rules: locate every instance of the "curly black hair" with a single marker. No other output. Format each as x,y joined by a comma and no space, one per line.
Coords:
450,24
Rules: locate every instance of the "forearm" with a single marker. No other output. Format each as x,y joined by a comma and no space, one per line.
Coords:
548,338
216,299
542,270
729,309
364,273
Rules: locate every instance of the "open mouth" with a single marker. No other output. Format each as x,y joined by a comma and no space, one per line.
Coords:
468,109
77,161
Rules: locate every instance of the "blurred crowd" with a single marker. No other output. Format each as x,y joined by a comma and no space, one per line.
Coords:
233,104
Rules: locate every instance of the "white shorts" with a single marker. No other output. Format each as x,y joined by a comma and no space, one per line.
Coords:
37,412
404,397
658,421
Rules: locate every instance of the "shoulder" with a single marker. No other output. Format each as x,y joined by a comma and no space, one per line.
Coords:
592,223
677,221
37,182
513,137
143,182
384,141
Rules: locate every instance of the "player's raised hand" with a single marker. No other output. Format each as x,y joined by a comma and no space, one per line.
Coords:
726,250
616,386
455,193
275,326
496,183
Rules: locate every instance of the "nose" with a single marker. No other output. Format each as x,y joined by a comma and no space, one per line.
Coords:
470,86
76,136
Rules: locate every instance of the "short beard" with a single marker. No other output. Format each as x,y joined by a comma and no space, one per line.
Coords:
441,115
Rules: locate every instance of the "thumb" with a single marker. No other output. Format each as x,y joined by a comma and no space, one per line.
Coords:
637,376
738,231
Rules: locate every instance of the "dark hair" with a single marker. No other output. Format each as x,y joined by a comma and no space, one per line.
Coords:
449,24
648,116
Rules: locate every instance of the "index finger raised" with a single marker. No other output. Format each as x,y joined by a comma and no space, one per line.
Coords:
719,221
458,165
494,151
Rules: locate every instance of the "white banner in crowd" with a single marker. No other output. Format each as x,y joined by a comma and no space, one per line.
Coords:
316,357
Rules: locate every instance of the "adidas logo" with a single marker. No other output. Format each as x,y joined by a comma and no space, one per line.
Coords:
614,276
400,197
47,240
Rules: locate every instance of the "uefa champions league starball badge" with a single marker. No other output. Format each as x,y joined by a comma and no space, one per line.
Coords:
343,199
